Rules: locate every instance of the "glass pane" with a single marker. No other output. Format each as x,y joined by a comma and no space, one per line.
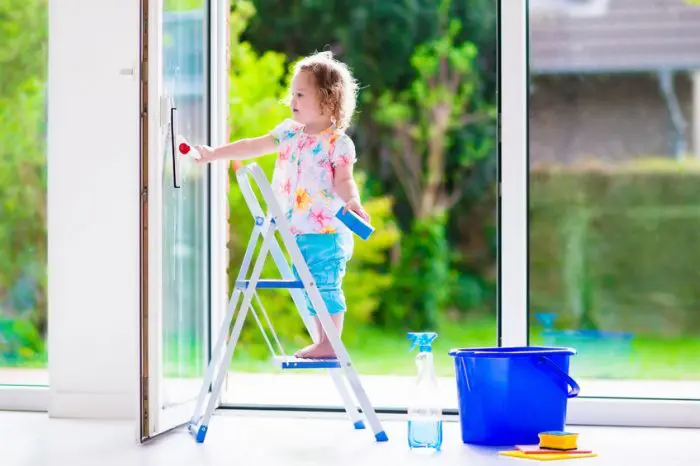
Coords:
23,100
185,209
614,179
431,262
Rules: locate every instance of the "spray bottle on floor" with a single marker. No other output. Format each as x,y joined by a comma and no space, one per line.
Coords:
424,411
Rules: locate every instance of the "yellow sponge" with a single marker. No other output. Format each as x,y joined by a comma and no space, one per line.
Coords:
555,440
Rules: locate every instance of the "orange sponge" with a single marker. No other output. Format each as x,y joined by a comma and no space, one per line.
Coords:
556,440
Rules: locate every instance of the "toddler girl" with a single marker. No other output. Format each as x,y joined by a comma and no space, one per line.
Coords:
313,178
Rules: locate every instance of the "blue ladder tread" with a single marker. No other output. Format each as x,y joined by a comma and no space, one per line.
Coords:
290,362
271,284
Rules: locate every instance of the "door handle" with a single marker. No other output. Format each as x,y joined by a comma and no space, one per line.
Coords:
173,132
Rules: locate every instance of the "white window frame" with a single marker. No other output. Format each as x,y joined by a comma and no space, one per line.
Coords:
219,179
512,167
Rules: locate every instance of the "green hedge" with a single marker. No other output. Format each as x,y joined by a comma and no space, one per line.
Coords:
617,248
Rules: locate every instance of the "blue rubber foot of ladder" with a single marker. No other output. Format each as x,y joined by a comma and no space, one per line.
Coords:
381,437
360,425
201,433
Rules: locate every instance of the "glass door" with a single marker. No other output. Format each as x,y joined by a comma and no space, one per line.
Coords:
598,204
178,236
613,193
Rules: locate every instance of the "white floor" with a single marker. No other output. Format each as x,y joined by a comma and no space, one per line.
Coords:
32,439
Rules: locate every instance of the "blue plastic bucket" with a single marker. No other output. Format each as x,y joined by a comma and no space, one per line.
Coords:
507,396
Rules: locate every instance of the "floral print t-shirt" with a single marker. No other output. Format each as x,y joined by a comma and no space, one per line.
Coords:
303,176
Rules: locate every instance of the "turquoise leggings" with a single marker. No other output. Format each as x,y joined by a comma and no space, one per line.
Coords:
327,256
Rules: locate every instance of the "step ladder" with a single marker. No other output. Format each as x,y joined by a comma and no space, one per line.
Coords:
265,227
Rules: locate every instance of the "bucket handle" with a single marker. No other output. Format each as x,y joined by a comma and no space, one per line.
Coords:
561,375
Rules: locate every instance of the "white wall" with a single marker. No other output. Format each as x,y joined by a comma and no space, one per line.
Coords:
93,208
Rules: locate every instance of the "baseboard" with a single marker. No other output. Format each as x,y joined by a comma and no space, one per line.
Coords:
107,406
24,398
616,412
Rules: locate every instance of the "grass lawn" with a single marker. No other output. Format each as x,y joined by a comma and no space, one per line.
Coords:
646,359
382,352
377,351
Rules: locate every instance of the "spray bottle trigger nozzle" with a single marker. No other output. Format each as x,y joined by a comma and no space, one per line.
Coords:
422,339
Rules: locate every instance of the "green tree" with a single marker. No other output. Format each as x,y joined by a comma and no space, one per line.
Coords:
422,121
23,60
376,37
24,39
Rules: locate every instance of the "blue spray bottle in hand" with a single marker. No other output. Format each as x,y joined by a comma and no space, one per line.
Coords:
424,412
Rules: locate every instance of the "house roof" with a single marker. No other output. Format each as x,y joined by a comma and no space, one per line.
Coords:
604,36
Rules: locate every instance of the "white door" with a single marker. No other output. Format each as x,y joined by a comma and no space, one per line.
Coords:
177,266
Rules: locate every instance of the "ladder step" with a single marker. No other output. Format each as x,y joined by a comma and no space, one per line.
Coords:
271,284
290,362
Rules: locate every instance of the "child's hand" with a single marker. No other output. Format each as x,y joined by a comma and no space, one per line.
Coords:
206,153
355,206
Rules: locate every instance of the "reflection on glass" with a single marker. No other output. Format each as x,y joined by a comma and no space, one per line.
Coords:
185,240
613,192
23,307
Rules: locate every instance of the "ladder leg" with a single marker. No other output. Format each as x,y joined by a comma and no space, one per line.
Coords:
367,408
346,365
223,332
240,318
300,302
215,358
332,334
350,408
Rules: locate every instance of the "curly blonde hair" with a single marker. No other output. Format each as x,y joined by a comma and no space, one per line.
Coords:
336,86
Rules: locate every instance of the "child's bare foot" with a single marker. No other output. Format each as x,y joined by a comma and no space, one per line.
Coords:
320,350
